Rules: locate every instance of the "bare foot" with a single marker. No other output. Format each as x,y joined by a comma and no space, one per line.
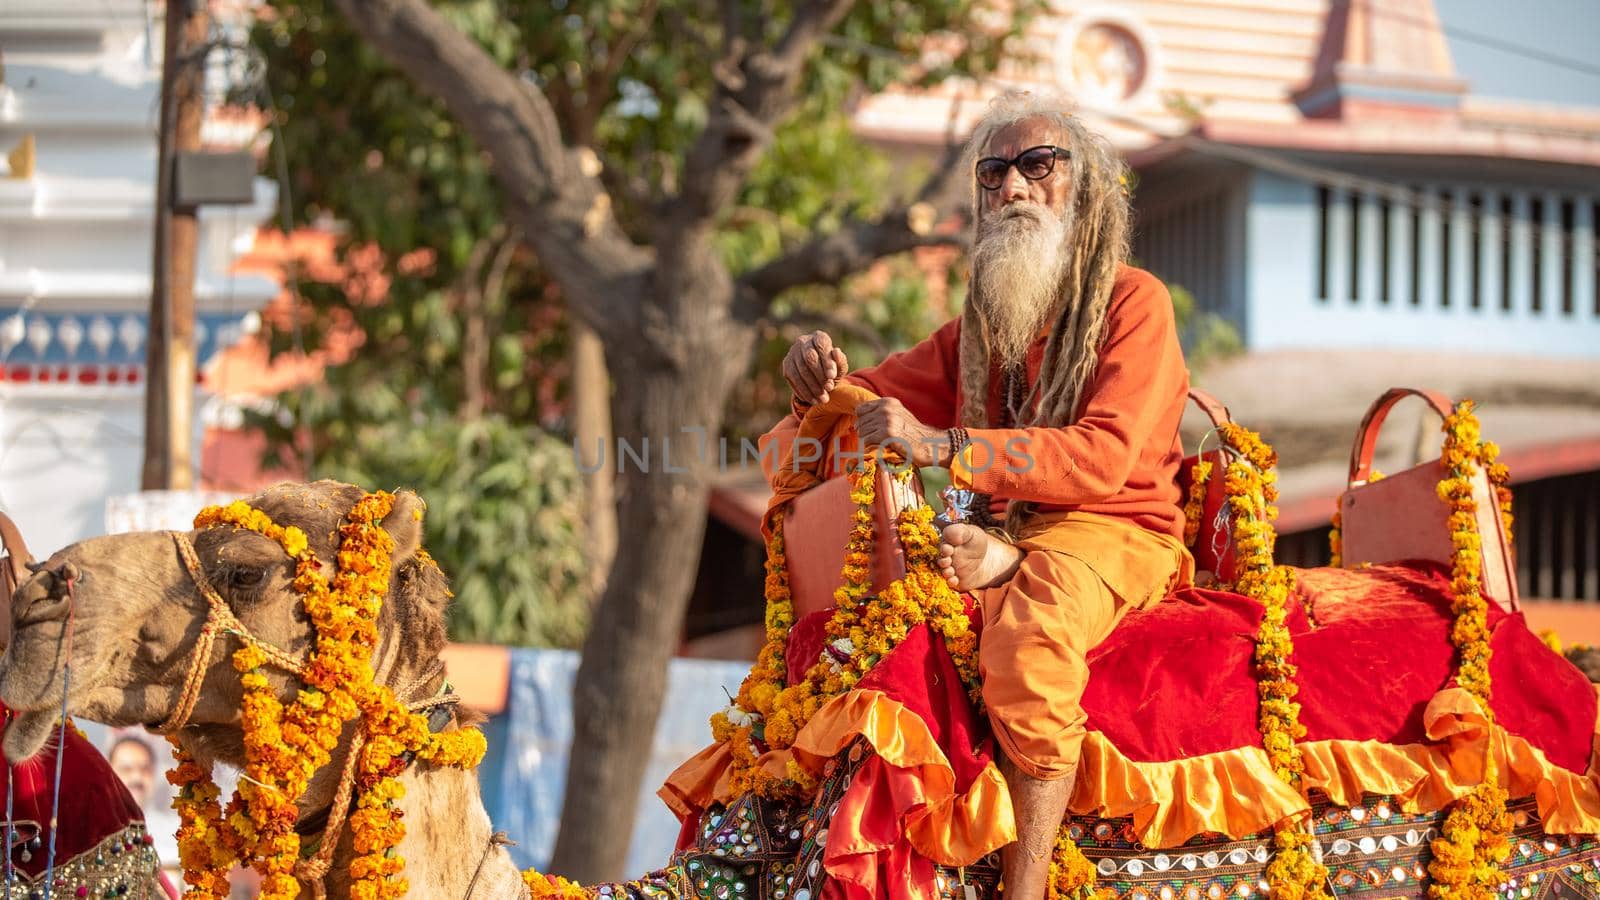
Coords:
970,558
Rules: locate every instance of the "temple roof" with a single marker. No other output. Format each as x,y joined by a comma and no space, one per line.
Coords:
1400,76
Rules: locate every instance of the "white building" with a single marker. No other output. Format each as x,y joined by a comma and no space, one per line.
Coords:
78,124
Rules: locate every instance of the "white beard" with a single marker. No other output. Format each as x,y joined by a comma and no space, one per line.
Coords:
1017,263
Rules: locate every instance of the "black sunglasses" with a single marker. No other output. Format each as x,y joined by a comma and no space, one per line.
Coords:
1034,163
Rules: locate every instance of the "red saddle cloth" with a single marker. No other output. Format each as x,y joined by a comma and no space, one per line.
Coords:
100,836
1176,680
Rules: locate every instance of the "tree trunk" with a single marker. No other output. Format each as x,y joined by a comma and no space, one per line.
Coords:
591,429
638,623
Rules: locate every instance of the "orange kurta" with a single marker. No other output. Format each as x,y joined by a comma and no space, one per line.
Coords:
1119,459
1107,536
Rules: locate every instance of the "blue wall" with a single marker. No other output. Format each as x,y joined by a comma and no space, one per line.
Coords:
1286,309
524,774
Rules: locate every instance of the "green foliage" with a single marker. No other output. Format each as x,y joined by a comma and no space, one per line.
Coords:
436,317
420,400
1206,336
502,521
423,231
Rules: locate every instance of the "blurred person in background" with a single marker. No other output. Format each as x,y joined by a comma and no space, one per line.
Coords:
134,761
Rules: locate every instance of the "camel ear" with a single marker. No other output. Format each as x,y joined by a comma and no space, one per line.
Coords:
404,524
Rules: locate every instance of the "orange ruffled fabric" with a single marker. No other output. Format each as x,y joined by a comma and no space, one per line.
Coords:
949,828
1235,792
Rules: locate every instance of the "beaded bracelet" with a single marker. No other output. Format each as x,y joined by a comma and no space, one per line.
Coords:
958,439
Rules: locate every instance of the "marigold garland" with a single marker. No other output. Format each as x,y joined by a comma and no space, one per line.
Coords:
767,713
205,847
552,887
1194,508
1335,539
945,610
1071,875
1250,487
285,744
1475,839
862,631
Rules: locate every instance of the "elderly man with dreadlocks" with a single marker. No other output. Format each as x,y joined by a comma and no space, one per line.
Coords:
1057,393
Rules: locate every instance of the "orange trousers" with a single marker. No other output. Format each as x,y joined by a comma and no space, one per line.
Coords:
1081,574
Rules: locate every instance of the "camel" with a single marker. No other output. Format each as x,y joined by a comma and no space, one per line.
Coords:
137,615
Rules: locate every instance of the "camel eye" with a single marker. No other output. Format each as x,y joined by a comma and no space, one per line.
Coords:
246,579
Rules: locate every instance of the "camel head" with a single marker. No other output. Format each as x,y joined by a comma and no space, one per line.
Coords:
126,612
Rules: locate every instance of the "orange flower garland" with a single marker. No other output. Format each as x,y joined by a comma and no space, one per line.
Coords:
552,887
766,714
1335,541
945,610
1071,875
1467,856
286,744
205,847
1194,508
767,711
1251,492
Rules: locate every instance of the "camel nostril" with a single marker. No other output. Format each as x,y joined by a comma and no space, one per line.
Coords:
70,573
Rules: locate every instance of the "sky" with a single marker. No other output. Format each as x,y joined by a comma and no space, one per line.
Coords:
1569,29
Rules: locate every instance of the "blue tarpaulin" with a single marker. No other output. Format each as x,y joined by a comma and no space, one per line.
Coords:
525,772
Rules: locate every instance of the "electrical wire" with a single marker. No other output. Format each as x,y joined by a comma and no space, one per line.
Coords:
1485,40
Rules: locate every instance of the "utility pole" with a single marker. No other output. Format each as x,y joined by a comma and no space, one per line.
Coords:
170,357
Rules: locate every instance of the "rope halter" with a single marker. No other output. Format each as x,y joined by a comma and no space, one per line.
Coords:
219,620
372,672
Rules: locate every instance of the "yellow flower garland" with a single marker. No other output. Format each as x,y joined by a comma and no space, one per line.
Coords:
1071,875
767,714
206,848
552,887
862,630
1249,481
943,608
1475,839
286,744
1335,537
1194,508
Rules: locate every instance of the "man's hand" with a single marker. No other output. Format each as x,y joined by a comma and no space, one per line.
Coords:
886,421
813,367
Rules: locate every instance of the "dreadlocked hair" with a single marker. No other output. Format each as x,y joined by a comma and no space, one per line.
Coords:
1097,231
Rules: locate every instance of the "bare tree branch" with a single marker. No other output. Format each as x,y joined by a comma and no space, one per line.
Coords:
860,243
495,283
564,213
603,80
811,21
627,182
474,331
830,258
733,35
743,114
